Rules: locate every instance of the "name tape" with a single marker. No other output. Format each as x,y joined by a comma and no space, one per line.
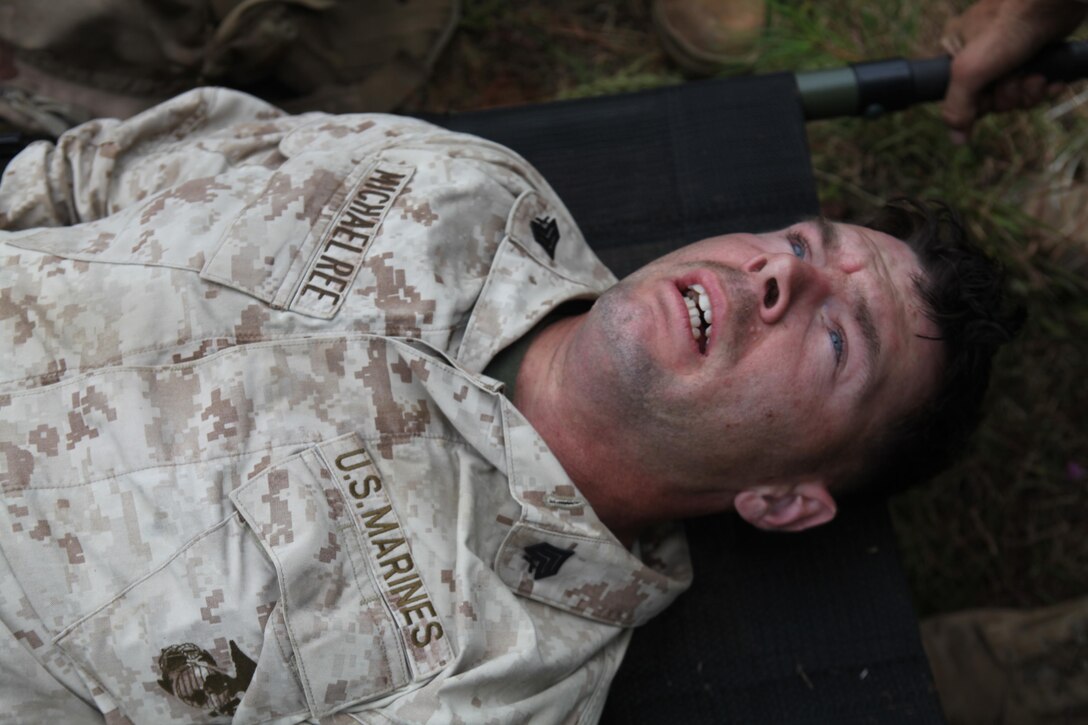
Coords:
340,253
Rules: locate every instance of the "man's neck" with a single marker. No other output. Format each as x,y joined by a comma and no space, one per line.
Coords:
592,448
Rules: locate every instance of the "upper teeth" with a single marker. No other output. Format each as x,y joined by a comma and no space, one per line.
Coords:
698,302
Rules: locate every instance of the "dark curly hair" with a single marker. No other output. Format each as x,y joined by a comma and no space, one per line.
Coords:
964,293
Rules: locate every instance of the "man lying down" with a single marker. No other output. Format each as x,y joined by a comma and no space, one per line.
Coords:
326,417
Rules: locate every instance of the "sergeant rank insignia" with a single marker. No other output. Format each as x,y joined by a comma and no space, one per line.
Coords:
545,559
546,233
192,675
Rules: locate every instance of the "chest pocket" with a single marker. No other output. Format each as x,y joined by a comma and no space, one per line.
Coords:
273,613
300,244
293,238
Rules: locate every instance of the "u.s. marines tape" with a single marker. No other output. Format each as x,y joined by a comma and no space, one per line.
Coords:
358,615
389,554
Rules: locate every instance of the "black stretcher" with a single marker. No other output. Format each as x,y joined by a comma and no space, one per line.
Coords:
798,628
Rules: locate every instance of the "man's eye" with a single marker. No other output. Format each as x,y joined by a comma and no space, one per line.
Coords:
797,244
838,343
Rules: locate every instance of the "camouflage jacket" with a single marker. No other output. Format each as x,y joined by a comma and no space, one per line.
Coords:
252,468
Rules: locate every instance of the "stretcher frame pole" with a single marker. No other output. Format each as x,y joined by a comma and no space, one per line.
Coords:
874,88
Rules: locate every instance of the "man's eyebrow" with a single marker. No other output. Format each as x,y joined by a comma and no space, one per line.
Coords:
831,241
829,234
864,316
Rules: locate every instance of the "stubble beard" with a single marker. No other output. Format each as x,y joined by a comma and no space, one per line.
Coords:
638,393
629,367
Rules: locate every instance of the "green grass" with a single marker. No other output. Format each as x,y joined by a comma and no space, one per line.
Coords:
1006,526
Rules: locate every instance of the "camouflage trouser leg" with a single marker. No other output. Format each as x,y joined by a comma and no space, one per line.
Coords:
69,60
1006,666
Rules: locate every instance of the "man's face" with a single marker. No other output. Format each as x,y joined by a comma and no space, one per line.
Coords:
812,346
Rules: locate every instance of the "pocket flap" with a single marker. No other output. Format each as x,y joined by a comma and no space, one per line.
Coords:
195,640
299,245
325,521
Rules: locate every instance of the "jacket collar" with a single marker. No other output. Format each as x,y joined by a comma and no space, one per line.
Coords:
560,553
542,262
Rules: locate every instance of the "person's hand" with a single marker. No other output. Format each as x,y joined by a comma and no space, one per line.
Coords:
992,38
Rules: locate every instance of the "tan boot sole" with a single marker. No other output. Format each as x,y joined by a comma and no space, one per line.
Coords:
698,61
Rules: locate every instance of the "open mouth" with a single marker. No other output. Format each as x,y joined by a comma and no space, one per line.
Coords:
699,313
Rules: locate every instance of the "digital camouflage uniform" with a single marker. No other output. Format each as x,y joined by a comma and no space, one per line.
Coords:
1011,667
252,469
72,60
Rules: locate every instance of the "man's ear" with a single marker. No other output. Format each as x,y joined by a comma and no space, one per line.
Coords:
786,508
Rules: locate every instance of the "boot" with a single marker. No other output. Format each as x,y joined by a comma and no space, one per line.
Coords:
707,37
1008,666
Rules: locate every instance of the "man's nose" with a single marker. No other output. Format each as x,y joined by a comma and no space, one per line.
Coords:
783,282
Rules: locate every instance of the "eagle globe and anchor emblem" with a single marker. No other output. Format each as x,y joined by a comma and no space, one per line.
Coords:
192,675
